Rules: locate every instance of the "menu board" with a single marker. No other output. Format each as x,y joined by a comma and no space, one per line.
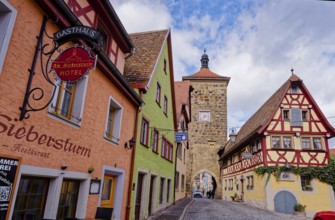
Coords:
9,168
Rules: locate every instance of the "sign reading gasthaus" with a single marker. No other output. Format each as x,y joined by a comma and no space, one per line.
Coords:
9,167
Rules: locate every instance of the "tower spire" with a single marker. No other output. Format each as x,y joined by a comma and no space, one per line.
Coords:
204,60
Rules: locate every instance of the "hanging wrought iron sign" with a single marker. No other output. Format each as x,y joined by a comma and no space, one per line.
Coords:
73,63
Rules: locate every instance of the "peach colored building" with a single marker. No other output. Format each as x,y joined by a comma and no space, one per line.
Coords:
183,106
82,132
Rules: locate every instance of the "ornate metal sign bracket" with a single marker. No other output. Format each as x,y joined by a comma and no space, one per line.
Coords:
46,51
37,93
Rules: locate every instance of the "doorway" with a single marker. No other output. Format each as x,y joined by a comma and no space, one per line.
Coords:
138,200
151,194
108,191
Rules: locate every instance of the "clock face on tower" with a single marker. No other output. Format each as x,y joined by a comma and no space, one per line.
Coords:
204,115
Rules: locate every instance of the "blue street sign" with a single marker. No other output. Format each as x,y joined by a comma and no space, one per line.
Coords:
181,136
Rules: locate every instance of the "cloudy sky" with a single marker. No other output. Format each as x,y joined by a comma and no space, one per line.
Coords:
255,42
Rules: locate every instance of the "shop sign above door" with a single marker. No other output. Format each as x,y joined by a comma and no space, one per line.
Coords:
73,63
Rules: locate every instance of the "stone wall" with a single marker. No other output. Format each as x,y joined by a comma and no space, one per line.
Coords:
206,137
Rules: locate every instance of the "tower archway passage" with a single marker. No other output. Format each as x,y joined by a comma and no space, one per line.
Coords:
207,131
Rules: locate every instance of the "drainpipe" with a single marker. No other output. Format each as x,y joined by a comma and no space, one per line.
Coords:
175,170
132,164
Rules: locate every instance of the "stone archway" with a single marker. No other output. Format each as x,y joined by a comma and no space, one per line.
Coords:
204,181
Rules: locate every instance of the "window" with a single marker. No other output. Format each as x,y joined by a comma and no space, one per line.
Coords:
68,199
287,141
161,190
179,150
296,118
225,185
275,142
158,94
184,156
168,191
7,20
105,38
182,125
144,132
305,143
31,198
114,118
294,89
317,143
250,182
167,149
306,183
68,101
164,68
286,115
165,105
155,141
304,115
177,181
182,182
259,145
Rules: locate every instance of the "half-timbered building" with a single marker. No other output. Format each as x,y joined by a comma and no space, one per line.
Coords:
289,130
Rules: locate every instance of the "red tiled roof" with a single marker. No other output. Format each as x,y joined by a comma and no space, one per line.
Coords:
182,91
262,116
140,66
205,73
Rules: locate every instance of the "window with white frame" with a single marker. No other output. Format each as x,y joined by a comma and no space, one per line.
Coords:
7,20
68,100
286,114
250,182
167,148
275,142
113,124
311,143
287,142
306,183
144,132
179,150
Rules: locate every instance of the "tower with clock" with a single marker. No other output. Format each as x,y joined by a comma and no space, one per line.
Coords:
207,131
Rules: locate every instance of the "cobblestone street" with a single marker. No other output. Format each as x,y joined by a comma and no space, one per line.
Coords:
210,209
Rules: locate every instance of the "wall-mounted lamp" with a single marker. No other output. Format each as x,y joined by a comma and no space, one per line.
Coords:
282,105
310,106
297,134
242,178
63,166
327,135
130,144
265,133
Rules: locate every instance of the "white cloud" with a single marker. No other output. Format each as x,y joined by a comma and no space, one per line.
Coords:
256,43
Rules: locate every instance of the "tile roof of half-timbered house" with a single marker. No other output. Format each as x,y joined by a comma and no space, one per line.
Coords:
141,65
261,119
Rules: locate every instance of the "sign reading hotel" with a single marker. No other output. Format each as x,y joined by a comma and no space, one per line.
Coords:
9,167
73,63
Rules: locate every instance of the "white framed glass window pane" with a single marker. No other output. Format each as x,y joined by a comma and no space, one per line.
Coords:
287,141
317,143
114,119
305,143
